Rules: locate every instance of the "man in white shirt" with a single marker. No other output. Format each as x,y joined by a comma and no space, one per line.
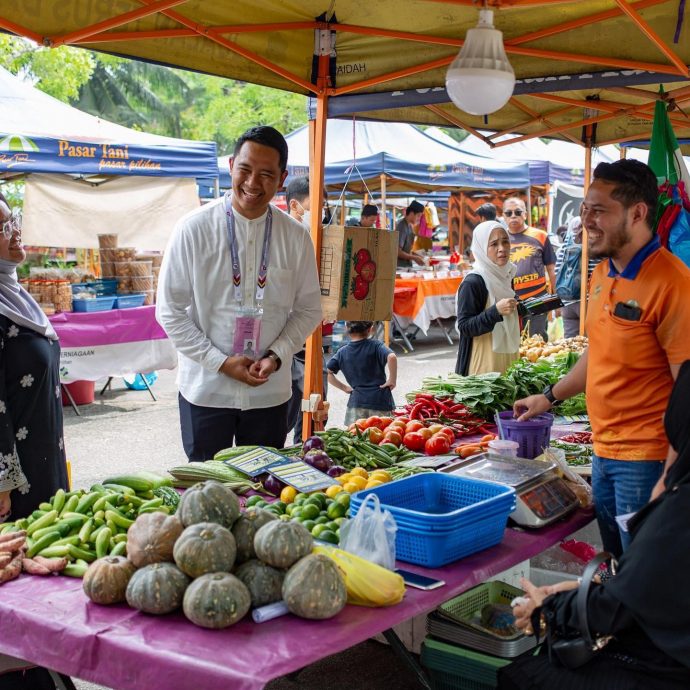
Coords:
227,396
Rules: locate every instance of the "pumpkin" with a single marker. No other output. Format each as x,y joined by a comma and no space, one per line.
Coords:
157,588
205,548
216,600
246,528
209,501
281,544
151,538
105,581
314,588
263,582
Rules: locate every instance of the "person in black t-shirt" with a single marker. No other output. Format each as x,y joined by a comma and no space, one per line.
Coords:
363,362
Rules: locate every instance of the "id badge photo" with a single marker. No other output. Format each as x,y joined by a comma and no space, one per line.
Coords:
246,340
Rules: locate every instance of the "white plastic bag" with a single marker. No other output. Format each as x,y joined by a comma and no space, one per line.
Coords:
371,533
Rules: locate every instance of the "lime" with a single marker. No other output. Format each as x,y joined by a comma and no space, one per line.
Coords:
291,508
284,517
252,501
317,530
300,498
327,536
321,520
344,499
260,504
321,498
336,510
296,513
279,505
332,526
309,524
310,511
339,521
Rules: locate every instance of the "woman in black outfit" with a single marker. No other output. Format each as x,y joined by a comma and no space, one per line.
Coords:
645,605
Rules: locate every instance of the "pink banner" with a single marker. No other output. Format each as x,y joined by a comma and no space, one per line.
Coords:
50,622
112,327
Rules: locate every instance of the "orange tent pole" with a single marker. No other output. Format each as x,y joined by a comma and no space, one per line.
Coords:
540,118
20,30
525,123
456,122
584,261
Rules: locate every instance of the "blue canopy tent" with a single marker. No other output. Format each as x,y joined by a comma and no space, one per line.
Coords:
359,153
88,176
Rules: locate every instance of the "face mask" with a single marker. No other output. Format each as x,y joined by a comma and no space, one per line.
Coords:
306,220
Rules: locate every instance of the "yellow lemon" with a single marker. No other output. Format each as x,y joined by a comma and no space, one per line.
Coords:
287,495
331,491
351,487
359,482
372,483
344,478
381,475
359,472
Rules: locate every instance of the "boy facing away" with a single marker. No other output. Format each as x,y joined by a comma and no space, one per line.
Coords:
363,363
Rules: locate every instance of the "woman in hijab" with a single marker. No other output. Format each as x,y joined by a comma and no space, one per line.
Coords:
487,319
645,606
32,455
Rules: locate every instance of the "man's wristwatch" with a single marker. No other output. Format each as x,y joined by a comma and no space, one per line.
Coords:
548,394
272,355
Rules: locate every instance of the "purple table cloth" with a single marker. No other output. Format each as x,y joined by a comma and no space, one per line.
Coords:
50,622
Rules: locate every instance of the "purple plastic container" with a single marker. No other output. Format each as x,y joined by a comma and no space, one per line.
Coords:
532,436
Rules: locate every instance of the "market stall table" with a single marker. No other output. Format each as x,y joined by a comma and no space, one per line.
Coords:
49,621
433,299
111,343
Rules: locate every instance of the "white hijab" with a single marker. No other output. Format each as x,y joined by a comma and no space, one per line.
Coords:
18,305
498,280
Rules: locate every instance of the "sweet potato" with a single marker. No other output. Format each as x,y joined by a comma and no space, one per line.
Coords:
5,558
54,565
33,568
10,536
14,545
12,569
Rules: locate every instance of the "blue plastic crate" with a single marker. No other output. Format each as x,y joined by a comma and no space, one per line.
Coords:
103,287
130,301
442,500
94,304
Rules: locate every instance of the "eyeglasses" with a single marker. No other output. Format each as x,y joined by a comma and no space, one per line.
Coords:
13,226
517,212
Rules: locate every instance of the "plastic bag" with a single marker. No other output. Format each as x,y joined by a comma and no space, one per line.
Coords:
367,584
576,483
555,329
371,533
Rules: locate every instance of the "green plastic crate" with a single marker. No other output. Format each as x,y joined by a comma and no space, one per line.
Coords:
457,668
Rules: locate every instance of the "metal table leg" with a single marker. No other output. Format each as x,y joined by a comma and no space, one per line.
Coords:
403,335
66,391
107,385
148,388
445,331
399,648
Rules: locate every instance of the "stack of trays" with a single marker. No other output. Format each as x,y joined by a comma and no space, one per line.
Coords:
441,517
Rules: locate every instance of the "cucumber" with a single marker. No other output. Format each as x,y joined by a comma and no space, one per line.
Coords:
43,521
77,552
138,484
75,569
120,549
44,542
103,543
59,500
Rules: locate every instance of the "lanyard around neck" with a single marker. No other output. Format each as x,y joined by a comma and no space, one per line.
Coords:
234,253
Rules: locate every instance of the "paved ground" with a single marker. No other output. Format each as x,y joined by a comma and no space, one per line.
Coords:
125,430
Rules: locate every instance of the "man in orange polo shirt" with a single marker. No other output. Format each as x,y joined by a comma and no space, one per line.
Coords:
638,323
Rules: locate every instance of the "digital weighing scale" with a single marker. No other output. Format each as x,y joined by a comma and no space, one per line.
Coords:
542,495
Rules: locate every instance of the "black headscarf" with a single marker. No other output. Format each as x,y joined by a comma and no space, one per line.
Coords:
652,576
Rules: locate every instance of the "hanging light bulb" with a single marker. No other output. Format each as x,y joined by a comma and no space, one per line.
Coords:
481,80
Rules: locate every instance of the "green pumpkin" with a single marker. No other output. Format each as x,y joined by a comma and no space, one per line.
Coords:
151,538
245,529
216,600
209,501
281,544
314,588
157,588
205,547
105,582
263,582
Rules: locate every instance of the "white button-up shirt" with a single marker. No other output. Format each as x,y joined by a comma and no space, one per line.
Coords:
196,302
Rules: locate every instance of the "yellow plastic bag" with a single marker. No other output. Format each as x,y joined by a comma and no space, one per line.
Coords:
367,584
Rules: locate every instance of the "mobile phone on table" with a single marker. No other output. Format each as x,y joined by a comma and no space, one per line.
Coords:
419,581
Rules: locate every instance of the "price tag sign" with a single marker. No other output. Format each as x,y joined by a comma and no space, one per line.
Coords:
301,476
257,461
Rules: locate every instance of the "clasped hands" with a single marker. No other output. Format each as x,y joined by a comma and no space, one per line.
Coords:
252,372
534,597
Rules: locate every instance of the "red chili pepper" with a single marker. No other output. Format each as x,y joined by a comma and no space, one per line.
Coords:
415,411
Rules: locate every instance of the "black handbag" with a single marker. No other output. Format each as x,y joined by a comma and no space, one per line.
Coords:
576,651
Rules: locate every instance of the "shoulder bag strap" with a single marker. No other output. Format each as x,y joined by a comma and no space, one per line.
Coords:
583,591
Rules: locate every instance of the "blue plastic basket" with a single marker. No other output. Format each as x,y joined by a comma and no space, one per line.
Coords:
442,518
102,286
94,304
129,301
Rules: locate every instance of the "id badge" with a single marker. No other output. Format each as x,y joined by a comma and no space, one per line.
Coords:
247,332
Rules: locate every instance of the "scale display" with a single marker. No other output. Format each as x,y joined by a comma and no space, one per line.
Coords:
548,499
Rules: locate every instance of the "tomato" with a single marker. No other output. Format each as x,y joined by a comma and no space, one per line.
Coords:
374,434
373,422
448,433
386,422
402,419
426,433
414,425
435,428
367,270
353,428
437,445
414,440
392,437
360,288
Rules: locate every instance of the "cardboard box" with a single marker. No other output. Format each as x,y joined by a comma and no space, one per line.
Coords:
357,273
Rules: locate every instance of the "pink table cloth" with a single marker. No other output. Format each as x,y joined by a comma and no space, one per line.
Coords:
50,622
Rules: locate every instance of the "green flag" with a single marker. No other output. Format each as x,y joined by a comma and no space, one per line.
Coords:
665,157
